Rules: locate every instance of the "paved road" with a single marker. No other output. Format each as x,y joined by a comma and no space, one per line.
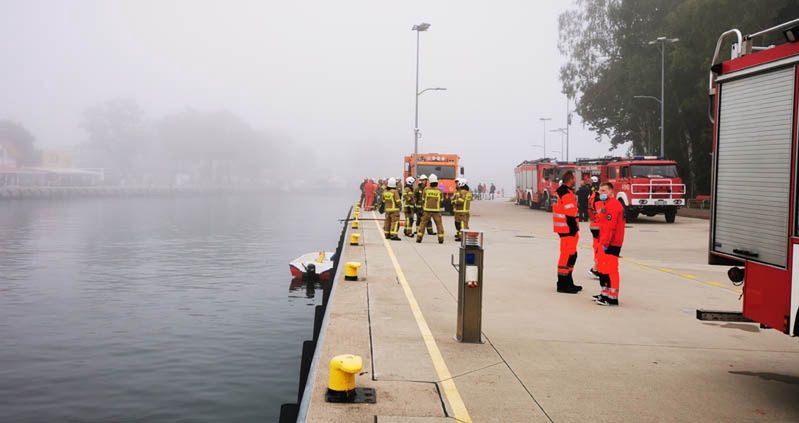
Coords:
549,356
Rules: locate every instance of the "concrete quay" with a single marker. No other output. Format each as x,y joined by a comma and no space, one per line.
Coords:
549,356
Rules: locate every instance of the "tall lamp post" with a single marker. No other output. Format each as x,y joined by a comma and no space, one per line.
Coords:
418,28
545,134
649,97
661,41
563,132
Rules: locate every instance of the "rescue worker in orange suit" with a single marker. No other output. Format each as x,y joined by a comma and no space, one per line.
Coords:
369,195
611,238
594,206
431,210
391,205
564,221
461,206
409,205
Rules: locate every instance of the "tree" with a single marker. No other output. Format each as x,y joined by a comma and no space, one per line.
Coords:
609,62
18,142
117,129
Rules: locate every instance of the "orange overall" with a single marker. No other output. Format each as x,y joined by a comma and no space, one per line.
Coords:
564,222
611,239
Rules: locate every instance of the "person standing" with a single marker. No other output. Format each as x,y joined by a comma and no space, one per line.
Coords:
409,205
431,209
369,195
492,190
461,205
595,205
564,221
611,239
361,187
391,206
583,193
420,187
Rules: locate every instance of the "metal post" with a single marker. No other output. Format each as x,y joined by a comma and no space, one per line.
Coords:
568,122
662,96
545,134
416,109
470,288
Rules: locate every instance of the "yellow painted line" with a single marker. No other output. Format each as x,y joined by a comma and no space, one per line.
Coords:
665,269
687,276
447,383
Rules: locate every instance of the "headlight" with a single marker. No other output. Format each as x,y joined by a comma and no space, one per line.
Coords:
643,201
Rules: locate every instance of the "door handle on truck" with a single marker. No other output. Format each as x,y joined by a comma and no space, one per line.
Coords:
745,253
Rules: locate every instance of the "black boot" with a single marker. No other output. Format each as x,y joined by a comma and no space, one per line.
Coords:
565,287
570,280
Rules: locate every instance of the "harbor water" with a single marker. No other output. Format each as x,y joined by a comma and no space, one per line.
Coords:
156,309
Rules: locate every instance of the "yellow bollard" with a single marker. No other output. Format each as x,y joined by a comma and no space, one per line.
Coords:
351,271
356,215
354,238
355,224
341,383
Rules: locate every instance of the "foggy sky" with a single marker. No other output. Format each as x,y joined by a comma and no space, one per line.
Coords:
337,76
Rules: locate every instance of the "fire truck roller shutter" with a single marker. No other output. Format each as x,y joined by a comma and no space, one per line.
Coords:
754,164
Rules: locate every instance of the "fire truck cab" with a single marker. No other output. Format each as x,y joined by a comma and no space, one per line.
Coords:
444,166
754,220
647,185
537,180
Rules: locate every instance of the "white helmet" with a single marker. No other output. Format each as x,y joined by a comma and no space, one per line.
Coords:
594,179
423,177
392,182
433,178
462,182
409,180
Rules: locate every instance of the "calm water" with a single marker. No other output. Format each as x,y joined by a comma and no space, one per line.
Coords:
155,309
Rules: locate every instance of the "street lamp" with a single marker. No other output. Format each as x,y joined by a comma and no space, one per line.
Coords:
545,133
661,41
418,28
563,132
416,130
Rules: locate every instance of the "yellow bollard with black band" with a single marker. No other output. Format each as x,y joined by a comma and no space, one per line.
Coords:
341,381
351,270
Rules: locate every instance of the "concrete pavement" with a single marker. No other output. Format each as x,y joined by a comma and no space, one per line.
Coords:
549,356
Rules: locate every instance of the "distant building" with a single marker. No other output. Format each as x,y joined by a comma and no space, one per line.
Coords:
6,160
56,159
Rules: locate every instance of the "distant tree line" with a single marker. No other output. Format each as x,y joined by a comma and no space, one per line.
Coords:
189,147
609,61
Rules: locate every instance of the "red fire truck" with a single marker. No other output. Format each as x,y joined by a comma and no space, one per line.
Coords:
754,221
537,180
646,185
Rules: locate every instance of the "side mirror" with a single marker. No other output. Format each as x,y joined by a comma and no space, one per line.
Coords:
461,170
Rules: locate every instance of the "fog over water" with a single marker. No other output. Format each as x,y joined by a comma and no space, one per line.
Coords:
330,82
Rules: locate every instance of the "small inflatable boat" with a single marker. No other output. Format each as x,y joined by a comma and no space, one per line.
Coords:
320,263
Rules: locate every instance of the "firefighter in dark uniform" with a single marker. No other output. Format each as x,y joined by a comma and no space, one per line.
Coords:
461,206
420,187
391,205
431,210
409,205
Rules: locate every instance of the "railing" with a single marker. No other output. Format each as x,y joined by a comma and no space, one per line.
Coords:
658,189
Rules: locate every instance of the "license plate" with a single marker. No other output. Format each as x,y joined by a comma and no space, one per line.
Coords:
660,202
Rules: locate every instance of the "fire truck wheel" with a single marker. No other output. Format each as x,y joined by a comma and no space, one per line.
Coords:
671,215
530,203
630,215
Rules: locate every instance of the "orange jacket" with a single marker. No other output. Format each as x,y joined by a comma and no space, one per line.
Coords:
611,227
564,212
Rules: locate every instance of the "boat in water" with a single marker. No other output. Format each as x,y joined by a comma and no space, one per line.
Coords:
318,263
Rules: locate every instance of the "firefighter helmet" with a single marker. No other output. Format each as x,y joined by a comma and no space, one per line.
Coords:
423,177
392,182
409,180
433,178
462,182
594,179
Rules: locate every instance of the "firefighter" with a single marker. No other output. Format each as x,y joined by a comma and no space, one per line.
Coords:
462,202
409,205
431,209
564,221
391,205
611,238
594,207
420,187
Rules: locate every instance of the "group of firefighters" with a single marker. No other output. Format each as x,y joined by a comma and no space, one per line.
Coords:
421,203
606,215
